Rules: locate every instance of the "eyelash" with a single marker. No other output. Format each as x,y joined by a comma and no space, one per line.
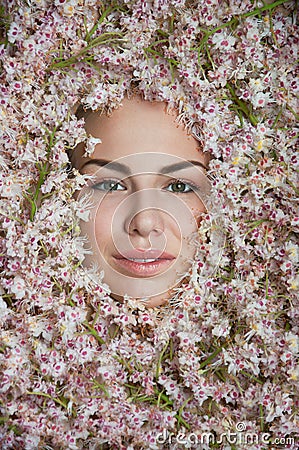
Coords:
95,186
192,186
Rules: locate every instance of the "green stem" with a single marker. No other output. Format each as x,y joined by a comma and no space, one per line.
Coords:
93,332
40,182
211,357
257,223
44,247
234,21
162,396
70,228
43,172
293,112
102,387
43,394
262,422
257,380
98,23
180,412
267,284
241,105
17,219
160,360
277,118
268,7
171,349
105,38
293,186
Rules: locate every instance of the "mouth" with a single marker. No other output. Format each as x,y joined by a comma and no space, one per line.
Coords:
139,260
144,267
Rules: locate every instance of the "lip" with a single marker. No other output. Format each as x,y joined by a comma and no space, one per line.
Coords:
144,254
144,269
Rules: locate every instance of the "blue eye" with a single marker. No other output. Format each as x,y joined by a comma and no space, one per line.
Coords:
176,186
180,187
108,186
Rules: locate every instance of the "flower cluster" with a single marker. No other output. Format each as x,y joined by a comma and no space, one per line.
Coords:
80,370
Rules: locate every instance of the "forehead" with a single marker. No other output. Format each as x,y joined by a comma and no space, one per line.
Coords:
136,128
144,163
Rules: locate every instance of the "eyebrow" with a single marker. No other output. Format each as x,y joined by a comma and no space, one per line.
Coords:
181,165
113,165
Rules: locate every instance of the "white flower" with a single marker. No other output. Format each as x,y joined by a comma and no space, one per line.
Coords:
15,32
90,145
261,99
18,287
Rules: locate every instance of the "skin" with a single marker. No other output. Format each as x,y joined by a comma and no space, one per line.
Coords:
146,208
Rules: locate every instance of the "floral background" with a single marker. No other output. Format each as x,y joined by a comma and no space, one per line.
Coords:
78,369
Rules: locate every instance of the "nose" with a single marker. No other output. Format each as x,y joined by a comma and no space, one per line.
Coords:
145,222
143,215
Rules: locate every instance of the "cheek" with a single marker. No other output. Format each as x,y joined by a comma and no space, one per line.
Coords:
197,208
103,217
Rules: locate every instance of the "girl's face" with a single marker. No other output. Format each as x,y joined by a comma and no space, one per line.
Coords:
147,195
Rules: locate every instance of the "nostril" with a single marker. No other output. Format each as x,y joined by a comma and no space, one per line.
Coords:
146,222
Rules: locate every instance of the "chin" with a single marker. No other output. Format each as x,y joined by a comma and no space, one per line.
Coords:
150,302
155,301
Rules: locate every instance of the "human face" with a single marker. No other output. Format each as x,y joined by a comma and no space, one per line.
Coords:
148,196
